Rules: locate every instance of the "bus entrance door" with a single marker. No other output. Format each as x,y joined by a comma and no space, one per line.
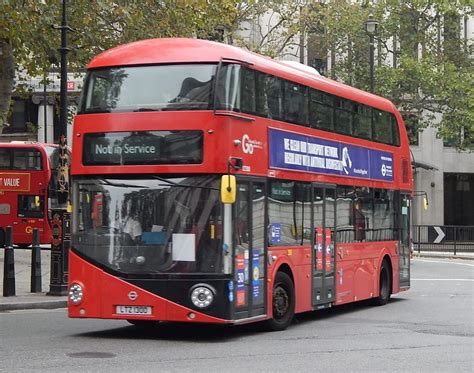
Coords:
250,291
323,288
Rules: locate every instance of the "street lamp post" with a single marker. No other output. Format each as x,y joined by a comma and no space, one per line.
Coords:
371,26
60,223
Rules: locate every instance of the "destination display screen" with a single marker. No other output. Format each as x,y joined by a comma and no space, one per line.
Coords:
143,148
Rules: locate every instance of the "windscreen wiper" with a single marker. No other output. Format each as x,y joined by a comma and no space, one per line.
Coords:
144,109
121,185
168,182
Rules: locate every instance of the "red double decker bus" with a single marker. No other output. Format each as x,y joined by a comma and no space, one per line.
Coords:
212,184
28,190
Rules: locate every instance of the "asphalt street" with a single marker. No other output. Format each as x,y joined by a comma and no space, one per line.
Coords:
429,328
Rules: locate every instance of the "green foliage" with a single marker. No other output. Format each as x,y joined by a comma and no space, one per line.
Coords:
432,72
26,27
421,63
31,128
421,73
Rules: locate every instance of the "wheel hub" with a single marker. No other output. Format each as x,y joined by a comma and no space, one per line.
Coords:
280,302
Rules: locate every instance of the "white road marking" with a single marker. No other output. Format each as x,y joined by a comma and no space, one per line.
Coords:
444,262
442,279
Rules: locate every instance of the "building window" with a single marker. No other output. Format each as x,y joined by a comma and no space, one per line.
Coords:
458,199
452,35
464,139
23,111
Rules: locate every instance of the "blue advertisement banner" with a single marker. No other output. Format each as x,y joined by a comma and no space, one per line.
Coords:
293,151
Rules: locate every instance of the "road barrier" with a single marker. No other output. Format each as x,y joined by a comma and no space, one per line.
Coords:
36,263
9,265
443,238
9,283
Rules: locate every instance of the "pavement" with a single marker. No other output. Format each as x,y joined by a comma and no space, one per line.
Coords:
24,299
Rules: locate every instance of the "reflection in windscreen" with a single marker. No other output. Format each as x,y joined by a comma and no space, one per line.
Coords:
149,88
150,226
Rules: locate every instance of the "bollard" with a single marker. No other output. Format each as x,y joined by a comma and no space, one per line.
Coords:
9,265
36,263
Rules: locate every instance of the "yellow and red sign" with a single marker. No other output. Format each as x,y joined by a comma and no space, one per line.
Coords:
14,182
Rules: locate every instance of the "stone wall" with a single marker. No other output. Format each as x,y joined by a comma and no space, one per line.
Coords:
25,136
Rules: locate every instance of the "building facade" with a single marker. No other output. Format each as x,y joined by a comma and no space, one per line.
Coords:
35,108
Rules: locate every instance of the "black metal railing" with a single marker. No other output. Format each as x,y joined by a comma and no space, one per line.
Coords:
443,238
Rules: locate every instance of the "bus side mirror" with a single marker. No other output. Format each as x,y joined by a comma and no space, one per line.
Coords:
228,189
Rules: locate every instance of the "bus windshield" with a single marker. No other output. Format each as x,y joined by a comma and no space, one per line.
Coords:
149,88
149,225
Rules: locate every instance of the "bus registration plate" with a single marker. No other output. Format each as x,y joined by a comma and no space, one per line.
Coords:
133,310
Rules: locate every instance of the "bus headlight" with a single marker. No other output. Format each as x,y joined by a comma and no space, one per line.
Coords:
202,296
75,293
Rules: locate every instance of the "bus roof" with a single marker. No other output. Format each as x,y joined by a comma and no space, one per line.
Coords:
26,144
185,50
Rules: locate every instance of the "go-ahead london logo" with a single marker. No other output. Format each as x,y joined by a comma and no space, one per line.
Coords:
249,145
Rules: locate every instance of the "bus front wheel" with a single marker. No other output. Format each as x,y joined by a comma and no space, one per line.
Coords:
283,303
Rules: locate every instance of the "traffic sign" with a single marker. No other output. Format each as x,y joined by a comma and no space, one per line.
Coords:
436,234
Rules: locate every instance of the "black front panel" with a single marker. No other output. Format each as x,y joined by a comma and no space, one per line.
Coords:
179,290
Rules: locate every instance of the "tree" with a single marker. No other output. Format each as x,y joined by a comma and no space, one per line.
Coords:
422,65
28,43
275,26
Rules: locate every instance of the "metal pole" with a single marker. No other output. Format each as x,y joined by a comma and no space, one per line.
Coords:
455,238
61,221
63,92
371,63
45,114
419,239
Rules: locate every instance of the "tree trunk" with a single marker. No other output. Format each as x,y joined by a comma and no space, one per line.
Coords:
7,79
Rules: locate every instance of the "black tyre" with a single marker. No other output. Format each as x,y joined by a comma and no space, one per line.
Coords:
385,285
283,303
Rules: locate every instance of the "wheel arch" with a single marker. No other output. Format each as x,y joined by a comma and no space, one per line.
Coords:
284,267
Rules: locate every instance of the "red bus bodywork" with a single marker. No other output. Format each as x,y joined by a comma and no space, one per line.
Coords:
17,183
228,135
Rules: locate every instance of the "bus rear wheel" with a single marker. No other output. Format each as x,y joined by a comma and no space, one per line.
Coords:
283,303
385,285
